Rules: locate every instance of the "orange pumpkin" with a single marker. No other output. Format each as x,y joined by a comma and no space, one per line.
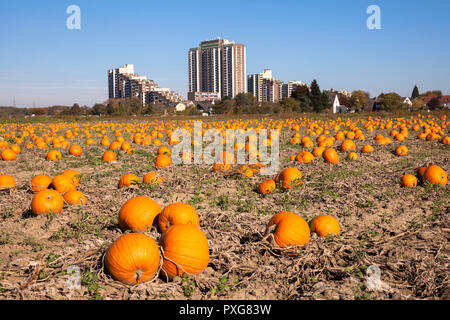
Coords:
8,155
164,150
138,214
324,225
185,250
435,174
75,197
330,155
348,145
289,177
367,149
352,156
290,229
40,182
15,148
75,150
73,175
153,177
163,161
47,201
63,184
401,150
128,180
267,186
408,180
177,213
133,258
109,156
54,155
7,182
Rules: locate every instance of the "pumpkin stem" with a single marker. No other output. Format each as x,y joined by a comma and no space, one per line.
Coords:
138,274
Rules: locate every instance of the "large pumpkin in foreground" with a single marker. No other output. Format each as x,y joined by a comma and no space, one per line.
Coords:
133,258
185,250
138,214
177,213
47,201
291,229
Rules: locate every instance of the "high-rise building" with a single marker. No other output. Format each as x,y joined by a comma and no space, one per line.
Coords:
217,66
124,83
264,87
289,88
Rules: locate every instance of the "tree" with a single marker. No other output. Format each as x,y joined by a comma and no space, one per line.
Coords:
98,109
390,101
435,103
434,93
75,110
344,100
245,99
290,104
358,100
415,94
417,104
316,96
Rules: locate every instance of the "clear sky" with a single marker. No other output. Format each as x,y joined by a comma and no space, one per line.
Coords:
44,63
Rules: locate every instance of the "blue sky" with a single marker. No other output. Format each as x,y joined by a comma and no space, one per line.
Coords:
44,63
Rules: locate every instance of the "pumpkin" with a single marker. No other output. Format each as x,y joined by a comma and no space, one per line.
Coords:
128,180
89,142
435,174
408,180
75,150
330,155
7,182
221,167
367,149
289,177
109,156
73,175
163,161
318,151
290,229
348,145
164,150
185,250
54,155
352,156
153,177
75,197
267,186
325,225
138,214
8,155
40,182
47,201
421,172
63,184
15,148
401,150
177,213
133,258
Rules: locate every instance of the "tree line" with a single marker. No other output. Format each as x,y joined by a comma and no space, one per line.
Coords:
303,99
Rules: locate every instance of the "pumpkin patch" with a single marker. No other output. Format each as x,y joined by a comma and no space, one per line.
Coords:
349,191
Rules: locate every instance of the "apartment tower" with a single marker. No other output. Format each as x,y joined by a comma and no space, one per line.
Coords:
217,66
